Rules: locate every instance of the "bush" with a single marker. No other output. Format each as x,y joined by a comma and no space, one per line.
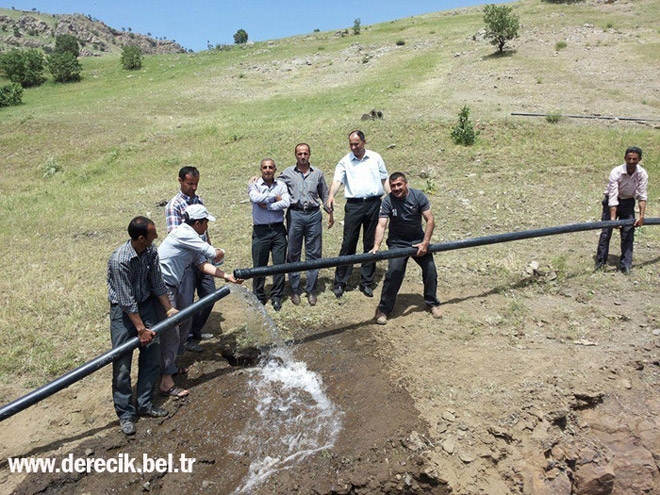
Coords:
560,45
400,42
64,67
11,94
131,57
501,24
24,67
464,132
240,37
67,43
356,26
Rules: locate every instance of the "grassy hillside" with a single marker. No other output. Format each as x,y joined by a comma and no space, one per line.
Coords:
82,159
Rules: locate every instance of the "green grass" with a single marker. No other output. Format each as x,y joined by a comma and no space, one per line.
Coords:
118,139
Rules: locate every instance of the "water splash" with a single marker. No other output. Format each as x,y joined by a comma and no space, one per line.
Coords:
294,417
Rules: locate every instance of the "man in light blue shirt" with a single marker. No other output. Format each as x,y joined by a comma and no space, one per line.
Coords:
182,248
269,197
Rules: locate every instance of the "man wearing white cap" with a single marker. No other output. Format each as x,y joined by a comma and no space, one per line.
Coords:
184,247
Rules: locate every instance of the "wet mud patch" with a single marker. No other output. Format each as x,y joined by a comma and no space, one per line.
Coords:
381,447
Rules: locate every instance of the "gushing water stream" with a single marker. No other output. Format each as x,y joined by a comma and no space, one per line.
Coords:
294,417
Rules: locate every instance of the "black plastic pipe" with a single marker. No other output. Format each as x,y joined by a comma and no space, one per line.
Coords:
105,359
300,266
603,117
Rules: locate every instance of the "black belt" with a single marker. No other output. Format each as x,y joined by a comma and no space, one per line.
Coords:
307,209
269,225
362,200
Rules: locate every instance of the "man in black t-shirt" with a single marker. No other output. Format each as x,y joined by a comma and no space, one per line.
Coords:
404,208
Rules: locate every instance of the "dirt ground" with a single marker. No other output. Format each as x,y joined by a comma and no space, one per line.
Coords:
545,385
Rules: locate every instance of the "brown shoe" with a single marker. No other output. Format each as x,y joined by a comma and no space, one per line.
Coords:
312,299
435,312
381,318
295,299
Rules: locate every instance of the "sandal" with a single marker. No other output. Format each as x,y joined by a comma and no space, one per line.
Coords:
180,371
174,391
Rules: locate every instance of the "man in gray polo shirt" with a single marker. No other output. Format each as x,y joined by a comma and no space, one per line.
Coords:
404,208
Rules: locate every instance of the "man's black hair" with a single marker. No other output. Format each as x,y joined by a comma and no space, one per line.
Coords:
139,226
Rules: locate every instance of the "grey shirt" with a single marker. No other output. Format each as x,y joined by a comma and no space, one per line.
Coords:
405,216
307,191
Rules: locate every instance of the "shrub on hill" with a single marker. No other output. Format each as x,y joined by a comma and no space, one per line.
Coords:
131,57
24,67
464,132
64,67
11,94
67,43
240,37
501,24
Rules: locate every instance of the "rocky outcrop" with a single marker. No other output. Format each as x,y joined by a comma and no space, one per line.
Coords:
95,37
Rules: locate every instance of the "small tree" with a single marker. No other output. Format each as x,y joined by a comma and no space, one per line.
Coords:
240,37
356,26
11,94
501,24
464,132
131,57
24,67
67,43
64,67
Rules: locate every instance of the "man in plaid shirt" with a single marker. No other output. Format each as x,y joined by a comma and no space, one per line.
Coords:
193,279
135,285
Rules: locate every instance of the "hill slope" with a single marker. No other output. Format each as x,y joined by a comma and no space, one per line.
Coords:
541,378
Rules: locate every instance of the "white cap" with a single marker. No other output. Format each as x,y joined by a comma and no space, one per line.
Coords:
198,212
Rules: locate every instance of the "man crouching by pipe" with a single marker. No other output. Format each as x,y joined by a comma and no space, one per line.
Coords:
183,247
404,208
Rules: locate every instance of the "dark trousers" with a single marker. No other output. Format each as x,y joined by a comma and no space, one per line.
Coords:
396,269
195,280
267,239
358,215
307,226
121,331
624,211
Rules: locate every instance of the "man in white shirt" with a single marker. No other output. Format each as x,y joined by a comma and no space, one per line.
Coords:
364,176
627,182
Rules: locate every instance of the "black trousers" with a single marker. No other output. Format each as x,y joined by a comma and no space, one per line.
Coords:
358,215
267,239
624,211
396,270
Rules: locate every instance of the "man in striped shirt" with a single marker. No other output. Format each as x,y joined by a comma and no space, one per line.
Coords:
627,182
193,280
135,286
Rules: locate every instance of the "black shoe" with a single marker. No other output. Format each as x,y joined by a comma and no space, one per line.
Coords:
154,412
600,265
127,427
338,291
626,270
366,290
277,304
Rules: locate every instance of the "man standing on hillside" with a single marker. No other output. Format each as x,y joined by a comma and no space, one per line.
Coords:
269,197
627,182
135,287
194,280
309,191
182,249
404,208
364,176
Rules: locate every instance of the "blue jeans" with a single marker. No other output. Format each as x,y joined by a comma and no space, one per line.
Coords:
121,331
195,280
